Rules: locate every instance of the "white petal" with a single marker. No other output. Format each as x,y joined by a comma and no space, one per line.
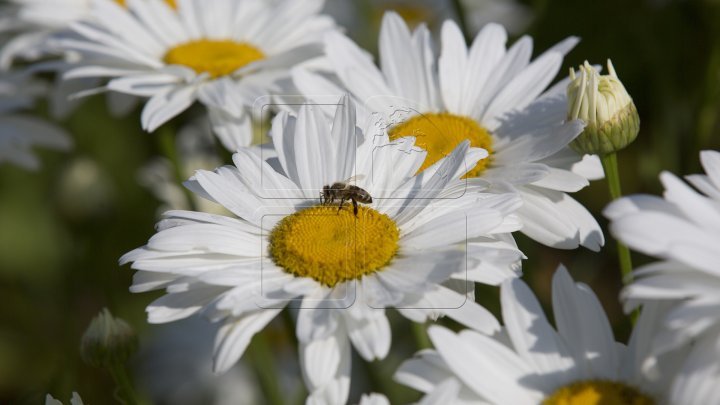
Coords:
493,371
326,369
234,336
370,336
175,306
581,320
312,147
164,106
452,65
525,87
535,341
696,382
445,393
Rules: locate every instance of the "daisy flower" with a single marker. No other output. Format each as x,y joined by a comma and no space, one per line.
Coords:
683,229
412,247
20,132
32,22
198,51
31,26
579,362
493,96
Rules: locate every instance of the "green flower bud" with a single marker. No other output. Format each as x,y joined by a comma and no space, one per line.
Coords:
611,119
108,341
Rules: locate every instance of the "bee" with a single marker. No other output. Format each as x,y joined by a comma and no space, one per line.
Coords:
343,191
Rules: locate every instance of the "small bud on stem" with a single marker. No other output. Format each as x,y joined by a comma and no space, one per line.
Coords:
611,119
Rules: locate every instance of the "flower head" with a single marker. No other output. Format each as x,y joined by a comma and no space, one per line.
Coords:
611,119
682,228
223,53
19,132
576,362
418,246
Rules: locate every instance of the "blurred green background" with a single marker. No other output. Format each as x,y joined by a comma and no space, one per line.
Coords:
63,228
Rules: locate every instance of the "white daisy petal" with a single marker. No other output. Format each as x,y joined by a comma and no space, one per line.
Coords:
165,105
581,320
499,387
445,393
370,336
234,336
533,338
327,369
452,65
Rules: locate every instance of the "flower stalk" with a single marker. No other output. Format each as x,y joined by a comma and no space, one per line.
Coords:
612,174
168,147
264,366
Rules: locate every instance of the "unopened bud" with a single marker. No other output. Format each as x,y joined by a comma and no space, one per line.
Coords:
108,341
611,119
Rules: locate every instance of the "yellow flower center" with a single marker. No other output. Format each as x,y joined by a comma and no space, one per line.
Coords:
332,247
598,392
216,57
170,3
440,133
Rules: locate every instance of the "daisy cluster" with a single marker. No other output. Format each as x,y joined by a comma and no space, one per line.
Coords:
360,188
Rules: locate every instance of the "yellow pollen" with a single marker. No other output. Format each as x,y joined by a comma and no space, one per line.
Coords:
332,247
216,57
170,3
598,392
440,133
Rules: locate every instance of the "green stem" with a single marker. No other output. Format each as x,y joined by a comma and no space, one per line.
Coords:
612,174
422,341
462,21
168,147
264,365
125,393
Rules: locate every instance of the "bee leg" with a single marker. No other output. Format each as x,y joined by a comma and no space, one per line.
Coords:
355,207
342,202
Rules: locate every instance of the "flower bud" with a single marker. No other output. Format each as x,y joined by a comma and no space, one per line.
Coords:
611,119
108,341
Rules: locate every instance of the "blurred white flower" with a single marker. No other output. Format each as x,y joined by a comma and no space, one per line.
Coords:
411,247
75,400
20,132
196,151
30,23
515,17
224,53
683,229
28,27
174,366
492,96
374,399
579,362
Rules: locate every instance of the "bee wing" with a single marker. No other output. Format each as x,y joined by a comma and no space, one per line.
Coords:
354,178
